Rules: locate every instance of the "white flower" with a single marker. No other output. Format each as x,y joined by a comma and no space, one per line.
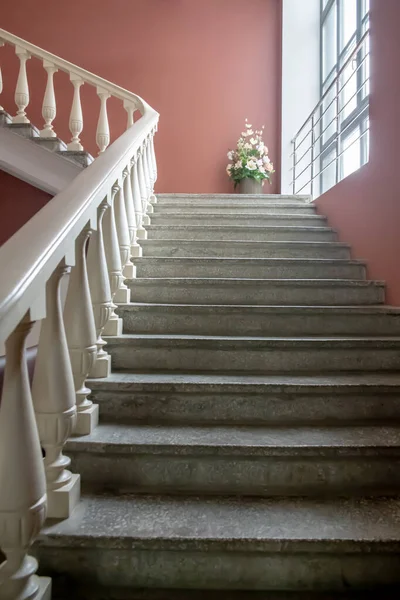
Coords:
250,132
253,141
244,134
248,126
251,165
248,146
230,154
238,164
262,170
228,169
259,163
266,160
260,147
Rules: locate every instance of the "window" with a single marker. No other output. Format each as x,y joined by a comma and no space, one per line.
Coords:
343,123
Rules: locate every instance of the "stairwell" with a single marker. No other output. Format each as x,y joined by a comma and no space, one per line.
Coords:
249,434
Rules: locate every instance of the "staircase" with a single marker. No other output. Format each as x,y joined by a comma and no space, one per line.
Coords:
249,434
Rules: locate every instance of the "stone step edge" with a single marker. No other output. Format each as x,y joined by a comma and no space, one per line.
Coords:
348,283
255,243
378,310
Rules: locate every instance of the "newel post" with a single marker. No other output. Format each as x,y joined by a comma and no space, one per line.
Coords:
22,477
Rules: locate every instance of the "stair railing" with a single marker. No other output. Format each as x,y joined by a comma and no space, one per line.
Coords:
89,230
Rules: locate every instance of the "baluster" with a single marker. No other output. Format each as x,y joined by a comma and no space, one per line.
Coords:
53,394
130,109
103,128
136,250
100,292
76,117
81,336
49,101
22,89
1,77
121,222
153,156
143,187
150,208
22,478
137,200
119,291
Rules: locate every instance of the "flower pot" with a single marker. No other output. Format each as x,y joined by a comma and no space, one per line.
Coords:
250,186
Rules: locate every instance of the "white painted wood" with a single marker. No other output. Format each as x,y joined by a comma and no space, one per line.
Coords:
81,335
153,158
121,222
34,164
137,200
22,475
49,108
53,393
22,89
119,291
76,117
103,128
130,109
136,250
146,183
100,293
1,77
142,182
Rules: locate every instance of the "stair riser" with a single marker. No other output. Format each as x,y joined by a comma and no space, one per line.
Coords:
256,219
248,358
181,248
254,295
260,209
255,234
218,568
183,321
195,472
180,267
243,408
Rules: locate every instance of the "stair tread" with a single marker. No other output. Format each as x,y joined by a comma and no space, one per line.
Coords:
259,308
240,197
241,261
277,524
247,281
267,243
220,439
240,228
336,381
273,341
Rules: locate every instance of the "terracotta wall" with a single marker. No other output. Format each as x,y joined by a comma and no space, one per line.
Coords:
204,65
365,207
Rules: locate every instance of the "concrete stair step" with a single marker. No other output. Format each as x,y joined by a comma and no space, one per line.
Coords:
244,218
259,320
231,460
227,544
332,399
263,199
243,249
238,232
281,292
250,268
185,353
222,207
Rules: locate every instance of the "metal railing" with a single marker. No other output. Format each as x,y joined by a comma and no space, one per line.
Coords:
338,122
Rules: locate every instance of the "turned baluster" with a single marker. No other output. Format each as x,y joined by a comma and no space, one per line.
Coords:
22,477
1,77
130,109
22,89
136,250
150,208
137,201
103,128
153,157
81,336
121,222
49,101
143,187
119,292
53,393
100,293
76,117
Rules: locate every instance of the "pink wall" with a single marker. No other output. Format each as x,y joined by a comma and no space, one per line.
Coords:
204,65
365,207
19,201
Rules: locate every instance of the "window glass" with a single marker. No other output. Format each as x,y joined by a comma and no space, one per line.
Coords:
329,42
348,21
351,157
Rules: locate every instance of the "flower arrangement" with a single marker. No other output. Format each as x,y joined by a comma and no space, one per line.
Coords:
250,159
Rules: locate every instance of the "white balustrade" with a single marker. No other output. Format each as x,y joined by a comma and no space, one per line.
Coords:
22,477
153,156
49,108
22,89
128,270
150,177
53,393
76,117
1,77
100,293
81,336
119,291
103,128
137,201
71,345
136,250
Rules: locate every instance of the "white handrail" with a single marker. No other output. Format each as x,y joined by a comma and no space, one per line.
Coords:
69,232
